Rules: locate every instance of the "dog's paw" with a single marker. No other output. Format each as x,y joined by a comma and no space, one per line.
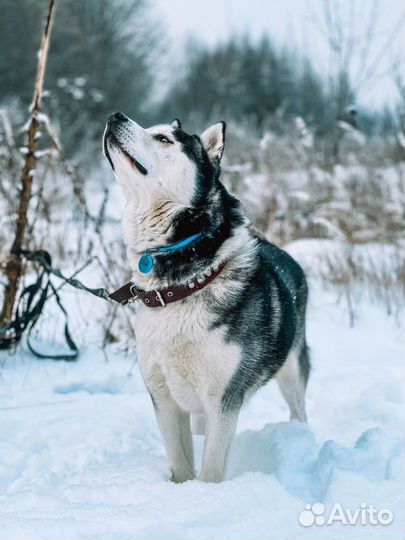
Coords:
211,476
178,477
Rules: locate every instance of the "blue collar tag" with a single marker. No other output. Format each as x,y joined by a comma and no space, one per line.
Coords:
146,262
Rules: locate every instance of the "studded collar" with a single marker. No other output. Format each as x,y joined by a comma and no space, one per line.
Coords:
160,297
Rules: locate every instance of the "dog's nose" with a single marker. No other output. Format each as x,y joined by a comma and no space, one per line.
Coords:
117,117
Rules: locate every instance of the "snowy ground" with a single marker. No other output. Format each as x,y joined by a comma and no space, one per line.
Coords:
81,456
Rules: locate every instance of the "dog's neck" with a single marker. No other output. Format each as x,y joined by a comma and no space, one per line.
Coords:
164,222
150,225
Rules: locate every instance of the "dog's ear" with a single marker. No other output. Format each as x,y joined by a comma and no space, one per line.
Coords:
176,124
213,140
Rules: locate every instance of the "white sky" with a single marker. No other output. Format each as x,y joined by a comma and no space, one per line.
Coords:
292,23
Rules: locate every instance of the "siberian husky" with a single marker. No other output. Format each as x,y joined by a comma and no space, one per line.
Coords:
242,320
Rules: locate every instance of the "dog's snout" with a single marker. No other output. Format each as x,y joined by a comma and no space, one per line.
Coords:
117,117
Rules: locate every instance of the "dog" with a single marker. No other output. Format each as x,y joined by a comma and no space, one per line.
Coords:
236,316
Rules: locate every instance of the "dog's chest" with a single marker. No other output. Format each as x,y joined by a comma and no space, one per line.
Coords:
178,349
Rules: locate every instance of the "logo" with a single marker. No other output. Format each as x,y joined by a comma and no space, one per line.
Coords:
366,514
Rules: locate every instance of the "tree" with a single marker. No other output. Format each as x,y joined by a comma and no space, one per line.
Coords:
103,60
247,82
354,63
14,269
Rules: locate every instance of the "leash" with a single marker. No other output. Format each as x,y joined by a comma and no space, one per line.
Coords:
31,304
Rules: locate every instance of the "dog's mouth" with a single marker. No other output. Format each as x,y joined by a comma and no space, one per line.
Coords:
110,138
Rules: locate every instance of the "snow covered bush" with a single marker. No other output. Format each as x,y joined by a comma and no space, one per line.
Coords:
70,217
290,192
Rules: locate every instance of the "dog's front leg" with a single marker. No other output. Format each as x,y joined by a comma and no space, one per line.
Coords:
174,426
219,431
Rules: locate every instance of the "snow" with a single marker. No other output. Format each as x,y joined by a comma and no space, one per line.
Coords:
45,152
82,458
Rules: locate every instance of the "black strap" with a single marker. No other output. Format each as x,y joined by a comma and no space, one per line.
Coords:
31,303
44,259
68,338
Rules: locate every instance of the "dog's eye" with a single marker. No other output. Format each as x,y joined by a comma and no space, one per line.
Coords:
163,139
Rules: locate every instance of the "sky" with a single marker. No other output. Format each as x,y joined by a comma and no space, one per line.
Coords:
298,24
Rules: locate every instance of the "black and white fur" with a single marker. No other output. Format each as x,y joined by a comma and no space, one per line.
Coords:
205,355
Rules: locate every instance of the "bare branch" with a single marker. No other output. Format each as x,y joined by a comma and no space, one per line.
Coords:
14,269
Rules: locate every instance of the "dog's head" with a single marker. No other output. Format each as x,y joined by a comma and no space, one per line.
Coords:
162,161
173,191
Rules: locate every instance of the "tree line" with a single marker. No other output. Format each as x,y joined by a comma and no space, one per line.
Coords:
107,55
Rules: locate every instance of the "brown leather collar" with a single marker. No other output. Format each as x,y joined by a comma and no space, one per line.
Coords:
160,297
